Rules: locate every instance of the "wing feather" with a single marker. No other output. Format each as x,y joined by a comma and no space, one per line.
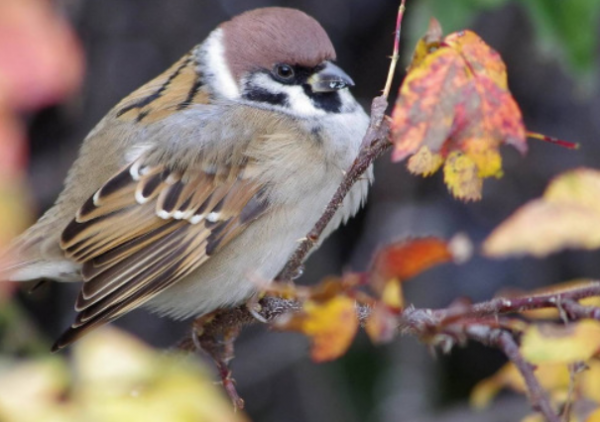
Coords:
147,228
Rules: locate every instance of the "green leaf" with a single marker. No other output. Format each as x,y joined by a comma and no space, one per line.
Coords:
568,31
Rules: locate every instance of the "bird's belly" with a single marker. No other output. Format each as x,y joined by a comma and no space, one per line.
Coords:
234,274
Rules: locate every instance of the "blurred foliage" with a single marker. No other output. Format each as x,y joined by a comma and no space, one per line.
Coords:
564,30
111,377
40,63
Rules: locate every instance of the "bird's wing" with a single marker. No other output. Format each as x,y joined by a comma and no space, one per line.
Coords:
148,227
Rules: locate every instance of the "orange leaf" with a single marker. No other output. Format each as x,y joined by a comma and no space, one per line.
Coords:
424,112
568,216
480,57
406,259
330,325
454,103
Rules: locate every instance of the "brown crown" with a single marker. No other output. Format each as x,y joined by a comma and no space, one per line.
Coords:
261,38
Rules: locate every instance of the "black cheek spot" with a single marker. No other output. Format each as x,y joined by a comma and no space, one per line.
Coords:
327,101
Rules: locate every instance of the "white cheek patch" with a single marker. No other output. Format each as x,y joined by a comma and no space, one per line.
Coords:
349,104
215,67
299,104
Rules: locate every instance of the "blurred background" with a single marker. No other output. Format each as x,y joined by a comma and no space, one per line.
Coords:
551,51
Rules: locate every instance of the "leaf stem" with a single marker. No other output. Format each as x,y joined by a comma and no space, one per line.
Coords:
555,141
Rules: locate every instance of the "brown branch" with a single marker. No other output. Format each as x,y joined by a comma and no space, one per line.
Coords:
502,305
443,328
421,321
504,341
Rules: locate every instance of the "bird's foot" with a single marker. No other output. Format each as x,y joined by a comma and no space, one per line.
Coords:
219,344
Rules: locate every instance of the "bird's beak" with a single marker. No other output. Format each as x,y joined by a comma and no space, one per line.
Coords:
330,78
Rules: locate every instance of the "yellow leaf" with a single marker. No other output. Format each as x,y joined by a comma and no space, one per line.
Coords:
488,160
33,391
579,187
552,377
331,326
485,390
568,216
594,416
534,417
14,209
461,175
392,294
114,379
427,44
590,381
561,344
424,162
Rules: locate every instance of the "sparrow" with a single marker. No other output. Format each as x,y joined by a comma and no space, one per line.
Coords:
204,179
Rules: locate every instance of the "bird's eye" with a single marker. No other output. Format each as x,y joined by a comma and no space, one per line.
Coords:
283,72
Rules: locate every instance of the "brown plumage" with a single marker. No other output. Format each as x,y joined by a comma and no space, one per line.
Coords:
186,191
247,35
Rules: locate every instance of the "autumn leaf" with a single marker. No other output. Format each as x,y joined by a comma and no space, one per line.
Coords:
480,57
331,325
590,381
554,378
594,416
549,343
402,260
454,107
40,58
567,216
381,325
551,377
113,377
40,62
460,175
408,258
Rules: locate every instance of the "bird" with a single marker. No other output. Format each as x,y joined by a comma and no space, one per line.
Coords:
204,179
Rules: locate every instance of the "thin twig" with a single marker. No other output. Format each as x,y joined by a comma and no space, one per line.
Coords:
374,143
395,54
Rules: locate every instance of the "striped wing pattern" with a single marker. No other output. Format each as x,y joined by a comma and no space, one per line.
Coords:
145,229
